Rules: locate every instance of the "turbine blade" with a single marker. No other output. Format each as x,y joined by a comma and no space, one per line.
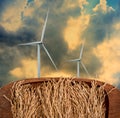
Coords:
31,43
44,27
49,56
73,60
85,68
81,51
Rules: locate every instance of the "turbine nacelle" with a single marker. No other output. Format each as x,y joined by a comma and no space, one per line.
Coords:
74,60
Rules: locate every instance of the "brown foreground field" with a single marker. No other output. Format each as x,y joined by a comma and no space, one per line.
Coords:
59,98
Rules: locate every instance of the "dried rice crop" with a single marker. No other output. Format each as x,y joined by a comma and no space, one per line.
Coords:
63,98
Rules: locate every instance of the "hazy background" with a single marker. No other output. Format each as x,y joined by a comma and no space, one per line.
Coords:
70,22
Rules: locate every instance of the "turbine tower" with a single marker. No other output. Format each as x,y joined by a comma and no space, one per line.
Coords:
40,44
79,61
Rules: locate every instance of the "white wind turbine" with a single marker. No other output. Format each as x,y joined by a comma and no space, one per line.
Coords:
79,61
40,44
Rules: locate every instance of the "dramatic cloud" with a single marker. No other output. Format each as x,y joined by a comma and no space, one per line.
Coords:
101,37
11,18
109,54
28,69
74,30
102,7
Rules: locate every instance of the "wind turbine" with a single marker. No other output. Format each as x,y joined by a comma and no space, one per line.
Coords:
79,61
40,44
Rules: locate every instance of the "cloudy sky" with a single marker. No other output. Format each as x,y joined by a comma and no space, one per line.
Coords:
70,23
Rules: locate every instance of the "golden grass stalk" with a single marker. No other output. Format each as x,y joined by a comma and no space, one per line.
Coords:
64,98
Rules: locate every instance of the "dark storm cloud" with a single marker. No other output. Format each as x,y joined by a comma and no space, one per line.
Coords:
11,55
57,21
54,42
7,38
55,4
118,10
53,38
9,59
99,28
12,39
2,4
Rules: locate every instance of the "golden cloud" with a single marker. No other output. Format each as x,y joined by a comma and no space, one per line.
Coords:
11,19
109,55
74,29
82,3
38,3
59,74
28,69
116,26
103,7
70,4
29,10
